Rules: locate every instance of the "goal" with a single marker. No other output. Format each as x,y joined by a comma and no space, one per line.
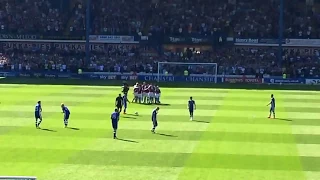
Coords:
209,70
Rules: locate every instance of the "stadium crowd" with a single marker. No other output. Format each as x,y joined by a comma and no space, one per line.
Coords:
238,18
242,18
118,58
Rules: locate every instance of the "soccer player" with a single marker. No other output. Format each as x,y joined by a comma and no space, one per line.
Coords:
119,103
37,114
140,94
191,107
66,113
125,88
154,119
145,92
114,121
272,107
151,93
135,92
125,101
157,95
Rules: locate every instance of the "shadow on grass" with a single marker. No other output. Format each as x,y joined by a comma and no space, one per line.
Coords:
127,140
282,119
49,130
129,117
72,128
128,114
201,121
156,104
167,135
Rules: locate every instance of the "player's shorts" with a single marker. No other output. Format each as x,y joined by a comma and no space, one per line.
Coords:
156,95
155,123
272,109
191,110
119,106
125,105
66,116
37,116
140,95
114,124
135,94
151,94
144,94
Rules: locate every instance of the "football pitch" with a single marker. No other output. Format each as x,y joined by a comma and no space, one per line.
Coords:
231,137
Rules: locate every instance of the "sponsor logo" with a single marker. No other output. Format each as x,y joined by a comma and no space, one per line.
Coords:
63,75
111,77
50,75
24,75
294,81
200,79
123,77
17,36
93,76
242,80
161,78
313,81
239,40
7,74
37,74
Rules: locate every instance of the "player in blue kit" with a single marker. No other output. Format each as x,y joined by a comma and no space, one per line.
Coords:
272,107
37,114
66,113
154,119
125,103
191,107
114,121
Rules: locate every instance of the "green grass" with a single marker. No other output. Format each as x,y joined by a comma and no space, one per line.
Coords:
230,139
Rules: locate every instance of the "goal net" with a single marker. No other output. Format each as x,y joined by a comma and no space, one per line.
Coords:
188,70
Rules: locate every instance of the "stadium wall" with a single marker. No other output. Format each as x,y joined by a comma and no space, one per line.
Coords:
192,81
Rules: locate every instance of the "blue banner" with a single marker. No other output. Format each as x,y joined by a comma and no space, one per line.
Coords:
284,81
8,74
154,77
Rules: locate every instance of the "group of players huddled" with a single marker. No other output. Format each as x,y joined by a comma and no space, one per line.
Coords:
146,93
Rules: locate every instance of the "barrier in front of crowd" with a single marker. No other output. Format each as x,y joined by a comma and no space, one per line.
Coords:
163,78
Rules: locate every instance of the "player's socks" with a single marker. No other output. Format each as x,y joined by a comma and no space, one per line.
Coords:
114,135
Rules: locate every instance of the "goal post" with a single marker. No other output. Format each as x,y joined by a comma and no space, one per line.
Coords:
193,69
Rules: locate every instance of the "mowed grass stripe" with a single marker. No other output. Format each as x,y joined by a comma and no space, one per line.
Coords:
102,172
100,144
240,174
203,106
165,135
200,160
256,104
125,124
103,112
188,126
168,146
22,117
301,107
